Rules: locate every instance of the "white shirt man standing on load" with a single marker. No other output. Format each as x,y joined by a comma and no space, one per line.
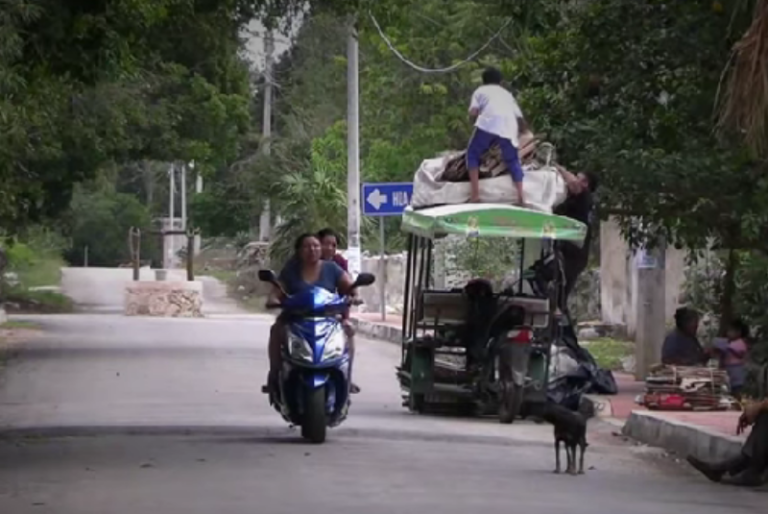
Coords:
498,120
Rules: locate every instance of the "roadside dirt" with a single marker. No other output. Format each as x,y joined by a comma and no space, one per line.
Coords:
10,338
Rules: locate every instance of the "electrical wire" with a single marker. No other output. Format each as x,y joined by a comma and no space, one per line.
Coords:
448,69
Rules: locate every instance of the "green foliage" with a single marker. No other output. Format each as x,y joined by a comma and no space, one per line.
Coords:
610,353
634,102
312,197
100,221
36,256
491,259
21,300
121,80
223,210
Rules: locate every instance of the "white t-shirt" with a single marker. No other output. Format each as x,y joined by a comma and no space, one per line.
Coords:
498,111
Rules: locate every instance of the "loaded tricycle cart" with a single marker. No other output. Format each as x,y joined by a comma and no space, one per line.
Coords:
473,350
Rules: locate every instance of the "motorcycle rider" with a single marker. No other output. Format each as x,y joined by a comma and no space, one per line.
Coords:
307,269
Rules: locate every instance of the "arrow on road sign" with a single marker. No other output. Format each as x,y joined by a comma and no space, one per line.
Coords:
377,199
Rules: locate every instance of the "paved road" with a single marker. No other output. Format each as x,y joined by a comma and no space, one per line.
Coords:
113,415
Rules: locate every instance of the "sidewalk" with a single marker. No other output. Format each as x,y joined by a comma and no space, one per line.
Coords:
707,435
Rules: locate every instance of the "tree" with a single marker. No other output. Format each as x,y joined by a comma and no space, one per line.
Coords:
86,84
312,197
100,221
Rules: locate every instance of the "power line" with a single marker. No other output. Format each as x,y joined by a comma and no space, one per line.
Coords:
448,69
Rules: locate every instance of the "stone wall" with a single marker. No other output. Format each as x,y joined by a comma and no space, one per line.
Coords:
164,299
394,278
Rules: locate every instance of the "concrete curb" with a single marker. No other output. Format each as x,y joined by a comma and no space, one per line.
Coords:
681,438
386,333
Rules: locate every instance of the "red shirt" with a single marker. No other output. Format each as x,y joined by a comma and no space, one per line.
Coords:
341,261
343,264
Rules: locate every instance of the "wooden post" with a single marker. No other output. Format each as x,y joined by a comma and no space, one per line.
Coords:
651,308
191,253
134,244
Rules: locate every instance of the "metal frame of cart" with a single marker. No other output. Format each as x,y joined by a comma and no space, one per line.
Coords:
507,369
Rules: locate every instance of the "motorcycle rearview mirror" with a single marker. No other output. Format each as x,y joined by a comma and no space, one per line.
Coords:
364,279
267,275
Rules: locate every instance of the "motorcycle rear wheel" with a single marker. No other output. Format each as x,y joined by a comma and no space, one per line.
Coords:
314,424
510,402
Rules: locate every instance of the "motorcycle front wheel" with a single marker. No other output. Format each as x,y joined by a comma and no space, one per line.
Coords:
314,425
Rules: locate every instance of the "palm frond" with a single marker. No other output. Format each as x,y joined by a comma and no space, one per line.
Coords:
743,108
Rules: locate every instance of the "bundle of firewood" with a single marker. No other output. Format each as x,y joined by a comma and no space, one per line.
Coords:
686,388
491,163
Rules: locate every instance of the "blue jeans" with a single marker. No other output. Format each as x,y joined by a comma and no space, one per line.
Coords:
480,143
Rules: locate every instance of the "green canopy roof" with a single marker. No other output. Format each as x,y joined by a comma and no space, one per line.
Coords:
491,220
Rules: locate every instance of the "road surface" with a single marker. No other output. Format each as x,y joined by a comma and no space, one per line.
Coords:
111,415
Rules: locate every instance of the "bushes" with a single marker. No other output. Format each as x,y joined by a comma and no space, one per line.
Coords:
100,221
35,257
34,261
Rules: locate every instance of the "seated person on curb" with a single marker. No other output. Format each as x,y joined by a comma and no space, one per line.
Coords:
579,206
749,466
303,271
681,346
498,120
329,244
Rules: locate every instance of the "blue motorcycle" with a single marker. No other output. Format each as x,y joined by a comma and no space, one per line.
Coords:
313,382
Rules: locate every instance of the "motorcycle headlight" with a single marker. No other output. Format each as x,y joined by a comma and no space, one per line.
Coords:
334,347
299,349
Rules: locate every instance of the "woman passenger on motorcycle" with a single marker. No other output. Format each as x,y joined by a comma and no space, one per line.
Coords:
305,270
329,245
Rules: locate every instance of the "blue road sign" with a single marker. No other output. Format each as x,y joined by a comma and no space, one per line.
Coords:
386,198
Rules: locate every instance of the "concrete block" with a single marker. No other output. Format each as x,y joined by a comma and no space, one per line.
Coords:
3,315
175,299
681,438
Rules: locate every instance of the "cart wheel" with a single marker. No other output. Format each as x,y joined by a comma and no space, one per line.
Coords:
416,402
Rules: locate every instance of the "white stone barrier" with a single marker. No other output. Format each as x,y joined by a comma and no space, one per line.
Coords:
170,299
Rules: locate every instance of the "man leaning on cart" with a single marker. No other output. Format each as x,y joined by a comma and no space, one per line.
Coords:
580,206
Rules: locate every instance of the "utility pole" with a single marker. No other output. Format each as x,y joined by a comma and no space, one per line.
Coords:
651,308
265,224
353,152
198,190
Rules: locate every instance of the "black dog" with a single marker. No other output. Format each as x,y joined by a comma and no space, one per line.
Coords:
571,430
